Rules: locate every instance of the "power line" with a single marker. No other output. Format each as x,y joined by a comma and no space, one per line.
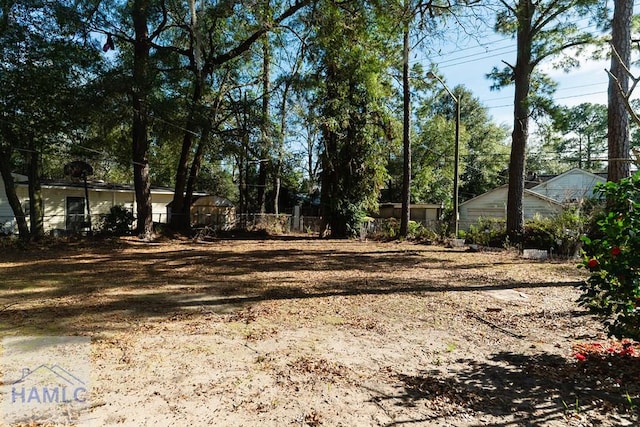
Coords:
508,39
555,98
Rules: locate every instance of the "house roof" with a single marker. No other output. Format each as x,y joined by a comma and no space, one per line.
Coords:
413,205
569,172
97,186
210,200
526,192
541,180
537,179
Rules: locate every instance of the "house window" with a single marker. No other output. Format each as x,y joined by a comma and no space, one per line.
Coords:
75,213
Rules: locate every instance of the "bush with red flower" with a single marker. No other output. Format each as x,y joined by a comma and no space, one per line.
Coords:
612,256
614,348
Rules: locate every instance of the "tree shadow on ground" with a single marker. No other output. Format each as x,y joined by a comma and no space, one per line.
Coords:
536,390
99,286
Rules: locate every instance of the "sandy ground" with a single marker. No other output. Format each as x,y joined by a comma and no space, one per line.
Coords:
306,332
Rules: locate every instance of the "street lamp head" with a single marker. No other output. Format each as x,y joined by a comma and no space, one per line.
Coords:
431,75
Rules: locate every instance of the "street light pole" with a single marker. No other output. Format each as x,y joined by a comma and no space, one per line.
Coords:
456,155
456,166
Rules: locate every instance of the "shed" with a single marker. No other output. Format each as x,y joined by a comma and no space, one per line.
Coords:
420,212
213,211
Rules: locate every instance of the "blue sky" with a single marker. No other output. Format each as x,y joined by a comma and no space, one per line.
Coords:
585,84
468,63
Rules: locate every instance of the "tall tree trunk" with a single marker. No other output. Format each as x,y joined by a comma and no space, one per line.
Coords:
282,135
12,196
520,134
329,176
195,168
140,137
617,116
36,214
266,120
243,181
312,167
181,204
241,184
406,134
281,138
328,179
180,209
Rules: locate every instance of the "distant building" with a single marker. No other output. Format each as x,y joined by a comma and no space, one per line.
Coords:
65,205
424,213
543,197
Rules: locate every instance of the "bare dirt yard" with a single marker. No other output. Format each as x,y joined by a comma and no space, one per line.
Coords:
306,332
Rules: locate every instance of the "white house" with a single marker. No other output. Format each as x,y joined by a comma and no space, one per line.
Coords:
544,199
7,220
65,205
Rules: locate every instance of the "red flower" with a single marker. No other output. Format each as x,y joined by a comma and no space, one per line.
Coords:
629,350
615,251
581,357
593,263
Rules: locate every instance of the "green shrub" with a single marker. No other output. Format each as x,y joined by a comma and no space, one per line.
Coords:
6,228
612,255
117,222
488,232
559,234
389,228
419,231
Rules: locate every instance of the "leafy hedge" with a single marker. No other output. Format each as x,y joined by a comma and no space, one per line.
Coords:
612,255
560,234
117,222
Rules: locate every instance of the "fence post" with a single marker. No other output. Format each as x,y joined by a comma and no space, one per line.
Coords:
296,218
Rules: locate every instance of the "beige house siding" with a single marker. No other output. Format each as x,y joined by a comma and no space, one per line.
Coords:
6,214
213,211
100,202
419,212
7,220
533,206
493,204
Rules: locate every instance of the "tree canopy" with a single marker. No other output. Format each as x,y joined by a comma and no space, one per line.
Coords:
270,103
